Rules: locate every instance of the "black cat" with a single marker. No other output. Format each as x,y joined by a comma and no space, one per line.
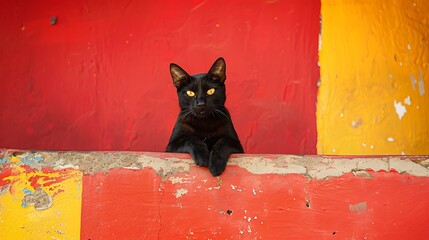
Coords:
204,127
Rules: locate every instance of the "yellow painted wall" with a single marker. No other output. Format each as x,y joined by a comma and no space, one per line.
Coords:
374,59
59,221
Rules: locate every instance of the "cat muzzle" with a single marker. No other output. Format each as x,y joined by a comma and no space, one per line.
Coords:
200,111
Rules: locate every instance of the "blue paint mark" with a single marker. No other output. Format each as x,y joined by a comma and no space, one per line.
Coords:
38,158
27,191
26,160
23,204
3,159
31,159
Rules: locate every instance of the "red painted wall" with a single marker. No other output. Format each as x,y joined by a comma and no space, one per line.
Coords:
98,79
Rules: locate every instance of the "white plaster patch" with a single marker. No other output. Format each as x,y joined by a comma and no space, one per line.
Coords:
408,166
261,165
356,123
400,109
407,100
409,46
235,188
374,164
325,167
180,192
175,180
165,166
390,139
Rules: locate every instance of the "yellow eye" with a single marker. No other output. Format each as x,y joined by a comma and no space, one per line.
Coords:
190,93
210,91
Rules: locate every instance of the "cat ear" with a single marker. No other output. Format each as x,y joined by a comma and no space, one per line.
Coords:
218,69
178,74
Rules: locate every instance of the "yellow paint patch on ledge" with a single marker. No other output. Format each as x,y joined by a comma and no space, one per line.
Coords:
374,93
22,190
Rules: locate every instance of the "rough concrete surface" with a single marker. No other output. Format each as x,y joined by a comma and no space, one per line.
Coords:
165,164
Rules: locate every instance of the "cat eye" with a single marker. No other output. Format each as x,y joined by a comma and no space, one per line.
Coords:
210,91
190,93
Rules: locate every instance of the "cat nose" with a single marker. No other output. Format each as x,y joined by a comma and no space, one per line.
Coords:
201,103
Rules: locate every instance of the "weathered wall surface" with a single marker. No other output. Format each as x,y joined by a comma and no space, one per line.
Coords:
38,203
98,78
374,59
165,196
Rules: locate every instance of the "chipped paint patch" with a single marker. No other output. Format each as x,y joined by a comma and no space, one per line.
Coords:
358,207
283,164
40,199
407,100
181,180
55,196
400,109
180,192
409,167
357,123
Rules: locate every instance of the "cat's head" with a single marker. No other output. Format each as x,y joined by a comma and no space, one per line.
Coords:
201,95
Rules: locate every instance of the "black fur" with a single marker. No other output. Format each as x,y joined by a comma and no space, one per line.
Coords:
204,127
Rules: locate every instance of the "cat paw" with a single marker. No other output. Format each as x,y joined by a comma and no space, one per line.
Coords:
217,164
217,169
201,157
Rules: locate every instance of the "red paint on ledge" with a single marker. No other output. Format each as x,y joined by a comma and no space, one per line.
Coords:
138,204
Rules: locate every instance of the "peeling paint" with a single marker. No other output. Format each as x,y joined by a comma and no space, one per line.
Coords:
400,109
180,180
54,195
356,123
40,199
166,166
358,207
180,192
407,100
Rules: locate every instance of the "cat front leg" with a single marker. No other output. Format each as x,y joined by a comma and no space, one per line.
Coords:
220,153
198,150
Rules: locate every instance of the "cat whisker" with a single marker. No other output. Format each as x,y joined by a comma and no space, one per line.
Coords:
221,113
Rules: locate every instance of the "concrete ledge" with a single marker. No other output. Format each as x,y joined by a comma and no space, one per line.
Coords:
317,167
140,195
